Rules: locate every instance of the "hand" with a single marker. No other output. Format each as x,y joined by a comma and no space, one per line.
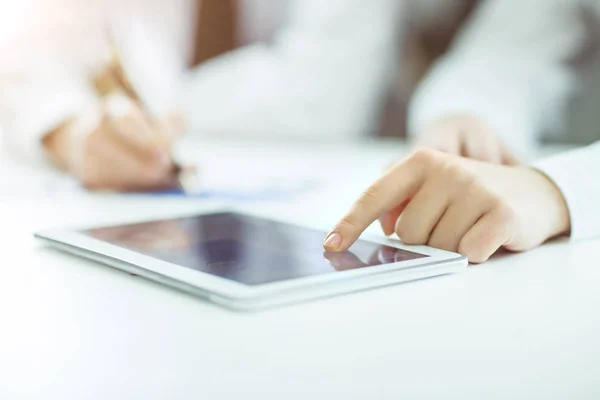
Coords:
468,137
460,205
124,151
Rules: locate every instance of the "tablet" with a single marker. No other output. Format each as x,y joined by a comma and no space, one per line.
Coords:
246,262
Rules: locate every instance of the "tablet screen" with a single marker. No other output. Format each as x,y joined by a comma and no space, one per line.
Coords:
245,249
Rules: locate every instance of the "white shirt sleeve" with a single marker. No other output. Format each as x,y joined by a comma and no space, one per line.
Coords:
576,175
34,101
42,82
509,68
321,77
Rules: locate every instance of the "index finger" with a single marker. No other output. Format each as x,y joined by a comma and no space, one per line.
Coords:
395,187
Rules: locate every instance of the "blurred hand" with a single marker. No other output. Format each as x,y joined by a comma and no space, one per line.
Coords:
457,204
468,137
117,147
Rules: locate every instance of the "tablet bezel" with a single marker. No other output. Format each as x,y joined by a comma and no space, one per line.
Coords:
87,246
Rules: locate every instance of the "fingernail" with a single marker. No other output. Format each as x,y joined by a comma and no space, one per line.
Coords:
333,241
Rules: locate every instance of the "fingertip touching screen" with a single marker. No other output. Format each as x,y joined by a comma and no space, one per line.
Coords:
245,249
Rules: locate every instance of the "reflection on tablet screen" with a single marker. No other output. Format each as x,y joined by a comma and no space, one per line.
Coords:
245,249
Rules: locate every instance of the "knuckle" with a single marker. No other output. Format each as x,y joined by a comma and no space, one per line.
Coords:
427,156
496,202
366,204
369,197
473,188
508,216
503,209
451,169
348,223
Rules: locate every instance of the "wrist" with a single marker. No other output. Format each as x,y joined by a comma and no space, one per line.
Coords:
557,210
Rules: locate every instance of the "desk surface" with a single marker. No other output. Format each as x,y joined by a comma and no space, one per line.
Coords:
521,326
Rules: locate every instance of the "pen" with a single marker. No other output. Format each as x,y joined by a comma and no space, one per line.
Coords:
116,78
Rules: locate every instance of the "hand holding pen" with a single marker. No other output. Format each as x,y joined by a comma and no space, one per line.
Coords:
118,144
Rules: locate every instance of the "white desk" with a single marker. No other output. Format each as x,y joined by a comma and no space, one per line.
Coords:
521,326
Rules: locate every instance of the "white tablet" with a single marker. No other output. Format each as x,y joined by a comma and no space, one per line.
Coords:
246,262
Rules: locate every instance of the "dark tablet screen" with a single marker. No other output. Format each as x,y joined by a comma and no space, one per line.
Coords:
245,249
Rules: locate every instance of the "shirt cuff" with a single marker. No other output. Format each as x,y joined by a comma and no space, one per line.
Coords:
574,173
